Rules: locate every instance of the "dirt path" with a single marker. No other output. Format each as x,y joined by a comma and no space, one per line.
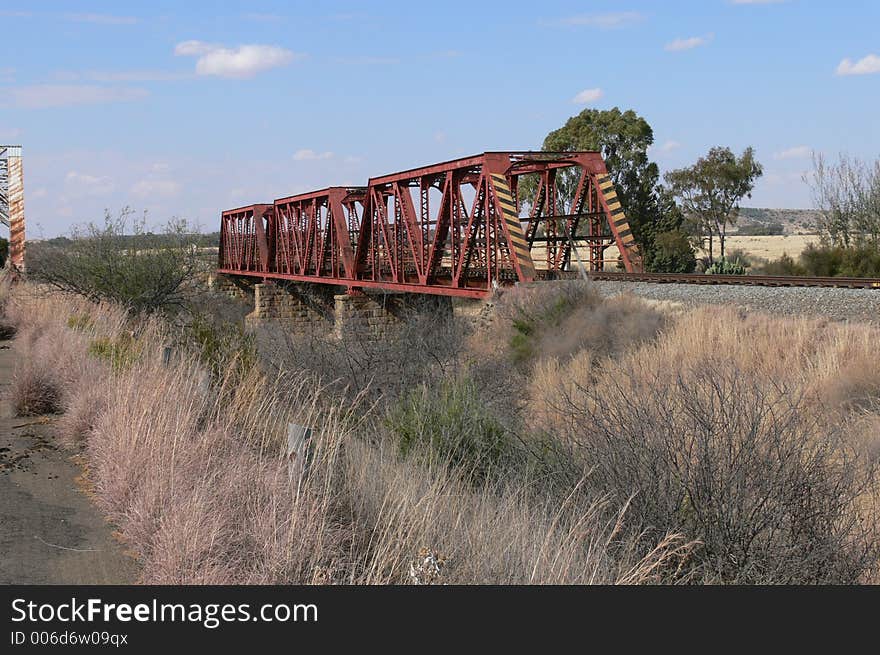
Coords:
50,533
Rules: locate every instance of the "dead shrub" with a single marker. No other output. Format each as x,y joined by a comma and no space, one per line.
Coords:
772,492
423,347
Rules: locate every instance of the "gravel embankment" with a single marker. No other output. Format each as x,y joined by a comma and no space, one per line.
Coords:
837,304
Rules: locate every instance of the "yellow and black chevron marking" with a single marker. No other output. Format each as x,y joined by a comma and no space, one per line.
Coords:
618,217
518,241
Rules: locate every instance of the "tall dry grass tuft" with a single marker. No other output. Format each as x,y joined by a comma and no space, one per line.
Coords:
502,533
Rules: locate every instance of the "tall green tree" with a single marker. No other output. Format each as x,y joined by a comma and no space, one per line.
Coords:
710,191
623,138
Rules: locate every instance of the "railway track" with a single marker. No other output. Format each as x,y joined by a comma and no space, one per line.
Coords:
752,280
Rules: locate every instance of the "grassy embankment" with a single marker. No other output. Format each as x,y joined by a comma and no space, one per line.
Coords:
568,440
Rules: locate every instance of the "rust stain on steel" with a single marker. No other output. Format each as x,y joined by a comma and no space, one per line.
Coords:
451,228
16,211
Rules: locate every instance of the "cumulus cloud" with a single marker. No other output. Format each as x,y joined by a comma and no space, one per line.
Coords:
587,96
604,21
864,66
88,185
306,154
151,187
797,152
688,44
241,62
42,96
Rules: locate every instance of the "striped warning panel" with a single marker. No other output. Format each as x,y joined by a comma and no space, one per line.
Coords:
618,217
518,241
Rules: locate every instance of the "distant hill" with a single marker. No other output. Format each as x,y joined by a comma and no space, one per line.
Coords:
758,220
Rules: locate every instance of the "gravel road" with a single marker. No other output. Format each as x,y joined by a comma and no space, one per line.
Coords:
858,305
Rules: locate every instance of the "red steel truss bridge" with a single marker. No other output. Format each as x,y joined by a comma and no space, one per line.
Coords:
458,228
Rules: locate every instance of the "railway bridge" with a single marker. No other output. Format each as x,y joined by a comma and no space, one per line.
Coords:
457,228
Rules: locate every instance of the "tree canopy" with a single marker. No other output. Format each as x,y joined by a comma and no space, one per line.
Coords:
623,138
710,191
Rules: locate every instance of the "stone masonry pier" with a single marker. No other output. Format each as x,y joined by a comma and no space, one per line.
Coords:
304,307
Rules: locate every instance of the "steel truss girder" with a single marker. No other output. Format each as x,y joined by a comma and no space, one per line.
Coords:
451,228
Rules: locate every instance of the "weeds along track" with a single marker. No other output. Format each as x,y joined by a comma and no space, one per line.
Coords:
749,280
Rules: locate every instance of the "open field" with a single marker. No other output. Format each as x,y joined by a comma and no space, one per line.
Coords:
757,247
769,247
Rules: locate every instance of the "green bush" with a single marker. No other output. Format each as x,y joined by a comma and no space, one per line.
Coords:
785,265
120,353
838,261
532,314
121,261
773,228
672,253
225,348
829,261
449,423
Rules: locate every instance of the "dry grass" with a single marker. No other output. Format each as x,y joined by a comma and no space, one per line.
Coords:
192,470
770,247
719,427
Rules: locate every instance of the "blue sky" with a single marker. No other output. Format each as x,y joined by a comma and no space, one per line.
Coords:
184,109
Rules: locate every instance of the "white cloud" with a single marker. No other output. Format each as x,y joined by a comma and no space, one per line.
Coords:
440,137
310,155
194,48
797,152
41,96
587,96
602,21
9,134
864,66
102,19
669,146
777,178
241,62
687,44
151,187
88,185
